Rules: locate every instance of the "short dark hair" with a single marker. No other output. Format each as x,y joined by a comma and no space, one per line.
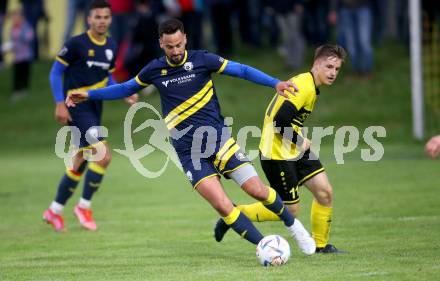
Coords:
99,4
170,26
327,50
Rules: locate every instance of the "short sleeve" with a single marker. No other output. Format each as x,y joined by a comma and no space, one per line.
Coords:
213,62
144,77
68,53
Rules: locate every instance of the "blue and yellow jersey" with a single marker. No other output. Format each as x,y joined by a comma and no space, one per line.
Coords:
295,110
187,91
88,63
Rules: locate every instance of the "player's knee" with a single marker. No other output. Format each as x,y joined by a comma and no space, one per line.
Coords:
256,188
105,161
325,196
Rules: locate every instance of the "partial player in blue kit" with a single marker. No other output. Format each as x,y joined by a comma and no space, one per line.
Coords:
203,144
85,62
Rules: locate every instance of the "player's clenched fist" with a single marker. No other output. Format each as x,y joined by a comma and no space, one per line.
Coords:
76,97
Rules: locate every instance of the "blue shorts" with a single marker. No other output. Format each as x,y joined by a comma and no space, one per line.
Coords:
225,157
86,121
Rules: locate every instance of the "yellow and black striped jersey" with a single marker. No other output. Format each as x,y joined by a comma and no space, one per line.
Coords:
285,117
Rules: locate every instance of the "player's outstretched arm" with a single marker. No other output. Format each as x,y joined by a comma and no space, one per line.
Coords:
130,100
254,75
114,92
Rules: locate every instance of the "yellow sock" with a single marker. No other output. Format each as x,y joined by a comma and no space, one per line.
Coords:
321,217
232,217
258,212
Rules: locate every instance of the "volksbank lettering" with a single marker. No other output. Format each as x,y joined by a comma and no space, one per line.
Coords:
179,80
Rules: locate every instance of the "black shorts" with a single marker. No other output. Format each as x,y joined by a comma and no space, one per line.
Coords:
286,176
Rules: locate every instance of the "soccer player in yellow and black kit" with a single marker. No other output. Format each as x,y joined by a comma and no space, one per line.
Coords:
285,153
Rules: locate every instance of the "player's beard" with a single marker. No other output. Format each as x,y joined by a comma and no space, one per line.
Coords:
176,59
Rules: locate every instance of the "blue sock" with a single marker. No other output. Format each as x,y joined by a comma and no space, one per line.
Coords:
68,184
243,226
275,204
92,180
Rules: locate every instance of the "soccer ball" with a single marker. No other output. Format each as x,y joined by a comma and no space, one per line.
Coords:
273,250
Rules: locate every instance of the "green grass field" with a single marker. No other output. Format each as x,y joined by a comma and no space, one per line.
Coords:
387,213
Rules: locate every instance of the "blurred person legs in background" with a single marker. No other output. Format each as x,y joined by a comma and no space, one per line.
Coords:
33,11
21,80
22,37
192,18
122,11
402,22
315,22
249,21
289,19
221,13
143,44
3,7
73,8
379,20
355,24
270,31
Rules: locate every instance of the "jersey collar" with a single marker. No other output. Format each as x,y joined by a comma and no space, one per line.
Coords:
316,88
96,42
181,63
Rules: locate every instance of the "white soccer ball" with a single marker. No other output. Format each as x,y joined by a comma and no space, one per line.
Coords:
273,250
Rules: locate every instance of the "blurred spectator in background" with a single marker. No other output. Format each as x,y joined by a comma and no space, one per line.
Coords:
317,29
74,7
270,31
3,7
143,42
354,22
191,14
22,38
432,147
379,9
122,11
289,14
249,14
221,17
402,21
33,11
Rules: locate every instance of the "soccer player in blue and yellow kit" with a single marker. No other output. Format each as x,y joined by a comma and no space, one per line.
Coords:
203,143
286,158
86,62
